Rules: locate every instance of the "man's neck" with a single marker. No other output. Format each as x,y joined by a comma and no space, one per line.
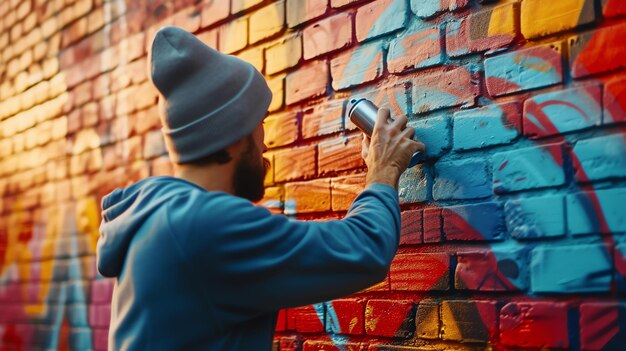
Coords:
211,178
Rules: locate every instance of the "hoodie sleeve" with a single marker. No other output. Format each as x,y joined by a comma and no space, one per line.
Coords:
258,261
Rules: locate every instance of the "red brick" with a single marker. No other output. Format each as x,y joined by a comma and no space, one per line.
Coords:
411,232
345,189
307,319
480,271
355,67
420,272
311,345
307,197
146,120
327,35
290,343
606,43
615,100
534,324
233,35
432,225
295,163
390,318
99,315
284,54
350,315
308,82
428,90
490,29
415,50
468,321
281,129
600,325
322,119
281,320
340,154
267,22
613,8
301,11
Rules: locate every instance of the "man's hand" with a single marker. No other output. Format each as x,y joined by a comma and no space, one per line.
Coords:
390,149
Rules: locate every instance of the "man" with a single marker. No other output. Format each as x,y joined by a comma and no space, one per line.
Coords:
197,265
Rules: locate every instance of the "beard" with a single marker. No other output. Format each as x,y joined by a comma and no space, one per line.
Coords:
250,174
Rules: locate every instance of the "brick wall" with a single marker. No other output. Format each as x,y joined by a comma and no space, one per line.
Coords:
514,230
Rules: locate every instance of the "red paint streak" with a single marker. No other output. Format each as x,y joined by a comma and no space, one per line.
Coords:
520,179
503,165
11,339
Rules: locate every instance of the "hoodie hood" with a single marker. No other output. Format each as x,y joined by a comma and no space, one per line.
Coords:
125,210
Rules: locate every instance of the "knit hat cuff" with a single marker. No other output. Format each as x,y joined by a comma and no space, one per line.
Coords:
205,135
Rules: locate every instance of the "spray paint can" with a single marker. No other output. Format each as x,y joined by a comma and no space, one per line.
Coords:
363,114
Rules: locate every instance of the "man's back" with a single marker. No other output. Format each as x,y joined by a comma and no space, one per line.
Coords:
199,270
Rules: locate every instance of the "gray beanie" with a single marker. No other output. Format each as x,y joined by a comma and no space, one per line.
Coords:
209,100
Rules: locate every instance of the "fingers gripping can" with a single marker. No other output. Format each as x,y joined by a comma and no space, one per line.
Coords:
363,114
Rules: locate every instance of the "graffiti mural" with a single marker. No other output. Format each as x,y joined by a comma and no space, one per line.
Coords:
512,228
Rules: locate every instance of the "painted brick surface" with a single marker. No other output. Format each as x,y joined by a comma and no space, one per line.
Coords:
614,101
600,158
592,264
528,168
451,88
600,326
322,119
541,19
79,118
536,67
412,227
327,35
486,126
305,197
563,111
468,321
301,11
427,8
346,316
466,179
267,21
490,226
284,54
581,209
416,48
495,270
434,132
491,29
534,324
389,318
427,320
308,82
414,186
535,218
340,154
584,47
420,272
380,17
345,189
363,64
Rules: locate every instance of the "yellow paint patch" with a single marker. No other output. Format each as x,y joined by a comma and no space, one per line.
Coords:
502,21
450,329
541,17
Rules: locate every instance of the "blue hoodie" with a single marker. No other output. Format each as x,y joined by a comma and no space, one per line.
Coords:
200,270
